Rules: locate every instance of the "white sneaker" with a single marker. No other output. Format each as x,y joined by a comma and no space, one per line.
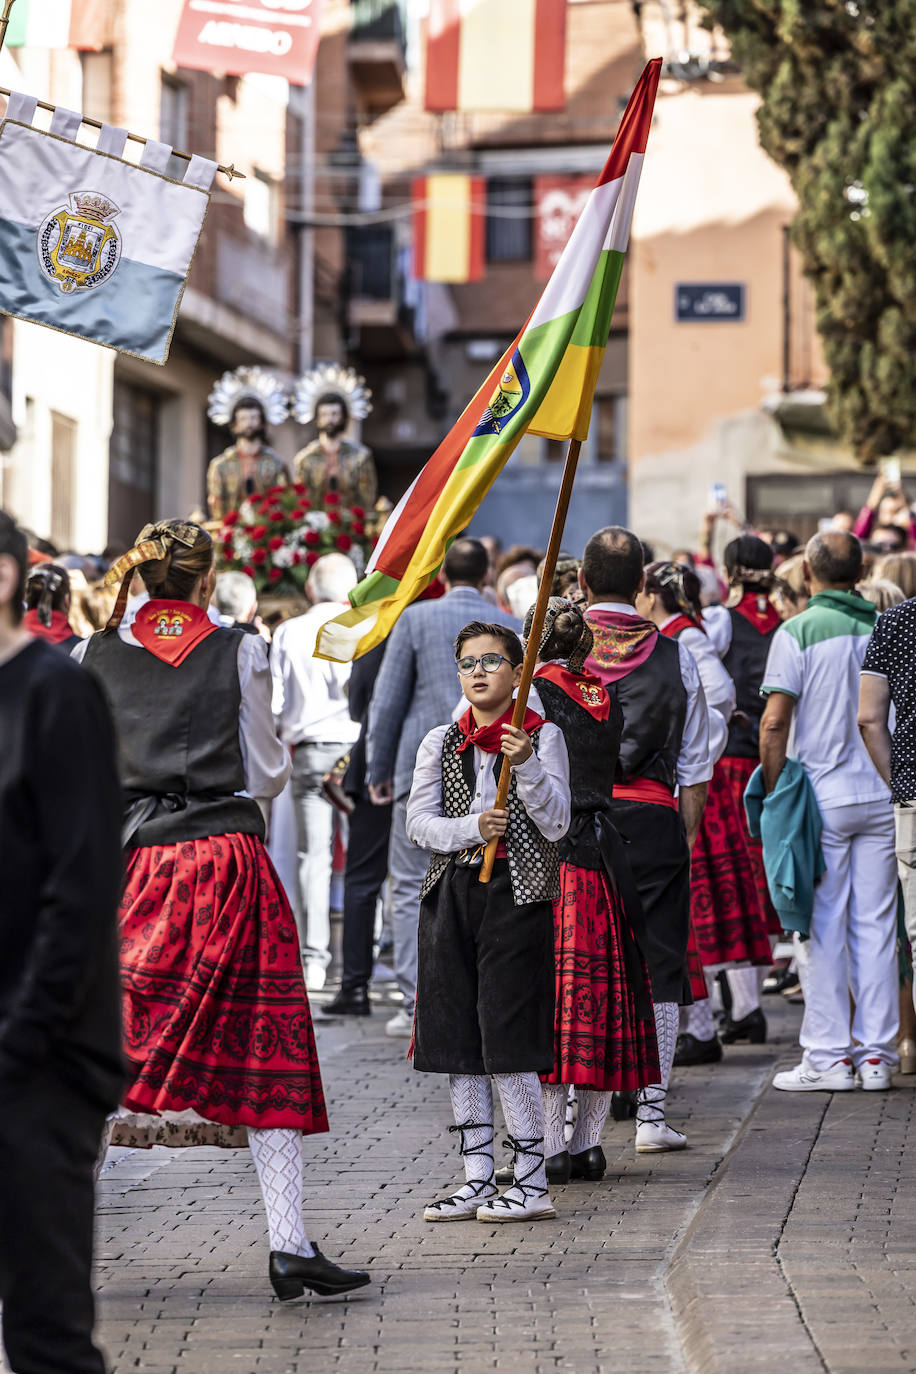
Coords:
839,1078
400,1024
874,1075
654,1136
315,975
512,1207
461,1206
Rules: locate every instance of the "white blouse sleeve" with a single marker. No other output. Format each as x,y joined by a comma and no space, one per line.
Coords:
718,624
266,761
694,764
426,826
543,784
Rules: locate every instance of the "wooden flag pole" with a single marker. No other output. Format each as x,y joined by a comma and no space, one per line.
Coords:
534,637
4,20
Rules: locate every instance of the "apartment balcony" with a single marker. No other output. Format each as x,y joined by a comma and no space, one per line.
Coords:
377,314
376,51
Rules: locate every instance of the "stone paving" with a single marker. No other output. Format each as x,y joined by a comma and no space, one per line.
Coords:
782,1234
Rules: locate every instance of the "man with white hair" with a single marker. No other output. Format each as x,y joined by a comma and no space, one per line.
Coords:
236,598
310,708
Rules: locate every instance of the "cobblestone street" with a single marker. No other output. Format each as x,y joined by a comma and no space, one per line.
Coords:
783,1233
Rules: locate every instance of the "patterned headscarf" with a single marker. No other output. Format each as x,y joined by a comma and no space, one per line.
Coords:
154,542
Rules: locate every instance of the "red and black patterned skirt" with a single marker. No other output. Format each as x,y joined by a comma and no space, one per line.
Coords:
727,915
737,773
602,1040
216,1017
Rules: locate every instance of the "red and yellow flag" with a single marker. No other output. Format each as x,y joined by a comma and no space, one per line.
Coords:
449,212
501,55
543,384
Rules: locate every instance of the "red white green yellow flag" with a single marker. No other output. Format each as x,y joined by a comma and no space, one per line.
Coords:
543,384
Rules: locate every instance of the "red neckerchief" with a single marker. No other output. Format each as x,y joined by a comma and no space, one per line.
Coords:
488,738
679,623
171,629
55,633
583,688
622,643
758,611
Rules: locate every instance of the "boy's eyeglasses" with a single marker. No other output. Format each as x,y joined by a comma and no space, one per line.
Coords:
488,662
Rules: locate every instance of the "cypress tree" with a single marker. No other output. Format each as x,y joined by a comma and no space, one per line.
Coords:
837,81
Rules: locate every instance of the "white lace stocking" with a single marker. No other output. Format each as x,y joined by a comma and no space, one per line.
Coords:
555,1099
593,1110
278,1159
650,1102
472,1103
523,1108
699,1020
745,989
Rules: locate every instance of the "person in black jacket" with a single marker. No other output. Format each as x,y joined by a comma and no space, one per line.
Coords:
367,853
60,1061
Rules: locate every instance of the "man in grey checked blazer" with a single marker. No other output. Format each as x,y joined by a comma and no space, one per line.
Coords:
416,690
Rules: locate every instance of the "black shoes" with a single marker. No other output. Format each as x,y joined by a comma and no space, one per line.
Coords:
778,979
690,1050
588,1164
349,1002
291,1274
752,1027
623,1106
558,1167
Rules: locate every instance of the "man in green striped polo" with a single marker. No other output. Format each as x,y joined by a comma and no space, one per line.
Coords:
812,684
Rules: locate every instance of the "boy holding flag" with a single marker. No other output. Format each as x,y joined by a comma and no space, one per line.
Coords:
485,987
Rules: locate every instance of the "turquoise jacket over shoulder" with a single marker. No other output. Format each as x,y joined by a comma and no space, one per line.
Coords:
788,822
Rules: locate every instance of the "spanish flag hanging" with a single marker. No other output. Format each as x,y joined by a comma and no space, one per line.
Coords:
449,211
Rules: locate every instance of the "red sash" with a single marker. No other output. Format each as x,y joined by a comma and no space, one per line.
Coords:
644,790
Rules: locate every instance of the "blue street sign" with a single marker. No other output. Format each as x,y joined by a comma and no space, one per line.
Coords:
705,301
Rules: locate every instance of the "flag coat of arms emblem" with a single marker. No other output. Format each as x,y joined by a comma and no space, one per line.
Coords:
91,244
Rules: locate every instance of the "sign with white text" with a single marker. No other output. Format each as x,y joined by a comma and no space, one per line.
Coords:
272,37
707,302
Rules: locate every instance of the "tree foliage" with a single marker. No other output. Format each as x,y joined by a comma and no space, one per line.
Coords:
837,80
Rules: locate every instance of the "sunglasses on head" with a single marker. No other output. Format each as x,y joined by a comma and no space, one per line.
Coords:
488,662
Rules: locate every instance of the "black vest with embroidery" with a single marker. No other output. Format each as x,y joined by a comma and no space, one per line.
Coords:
653,700
534,861
178,732
746,663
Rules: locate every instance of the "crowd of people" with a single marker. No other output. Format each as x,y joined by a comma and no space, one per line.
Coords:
710,797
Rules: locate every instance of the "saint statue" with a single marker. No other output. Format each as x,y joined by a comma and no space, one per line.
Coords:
333,463
245,400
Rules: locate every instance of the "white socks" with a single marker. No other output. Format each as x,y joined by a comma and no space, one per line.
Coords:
699,1020
523,1107
472,1103
745,984
556,1096
650,1102
593,1110
278,1159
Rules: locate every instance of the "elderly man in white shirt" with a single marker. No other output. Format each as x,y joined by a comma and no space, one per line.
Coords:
313,720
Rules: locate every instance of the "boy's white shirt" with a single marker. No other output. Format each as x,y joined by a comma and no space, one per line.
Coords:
543,790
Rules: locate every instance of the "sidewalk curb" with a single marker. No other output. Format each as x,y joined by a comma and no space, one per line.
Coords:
726,1286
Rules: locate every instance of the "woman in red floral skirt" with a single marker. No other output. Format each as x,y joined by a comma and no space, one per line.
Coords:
216,1018
605,1026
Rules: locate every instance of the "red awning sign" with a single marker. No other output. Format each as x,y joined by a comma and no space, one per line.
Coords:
273,37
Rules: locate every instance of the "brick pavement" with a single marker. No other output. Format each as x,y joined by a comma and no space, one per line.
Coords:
780,1234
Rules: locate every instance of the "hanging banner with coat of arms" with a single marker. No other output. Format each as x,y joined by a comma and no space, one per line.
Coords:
91,244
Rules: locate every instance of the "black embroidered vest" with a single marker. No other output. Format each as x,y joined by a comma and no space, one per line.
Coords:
653,700
534,862
746,662
178,732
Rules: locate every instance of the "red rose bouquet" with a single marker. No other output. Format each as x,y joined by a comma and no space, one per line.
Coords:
277,537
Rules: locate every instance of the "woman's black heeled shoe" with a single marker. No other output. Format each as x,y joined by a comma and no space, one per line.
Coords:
623,1106
291,1274
752,1027
588,1164
558,1167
